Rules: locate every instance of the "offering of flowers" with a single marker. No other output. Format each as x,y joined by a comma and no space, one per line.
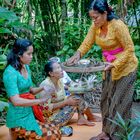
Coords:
83,86
84,62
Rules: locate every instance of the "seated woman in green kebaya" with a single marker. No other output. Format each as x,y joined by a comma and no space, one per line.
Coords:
24,119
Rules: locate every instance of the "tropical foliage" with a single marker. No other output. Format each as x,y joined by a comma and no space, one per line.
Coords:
130,128
57,27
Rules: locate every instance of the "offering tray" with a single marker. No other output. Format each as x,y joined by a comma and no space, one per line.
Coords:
79,90
84,66
83,86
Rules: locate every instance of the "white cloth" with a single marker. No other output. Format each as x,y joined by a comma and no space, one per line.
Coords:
66,78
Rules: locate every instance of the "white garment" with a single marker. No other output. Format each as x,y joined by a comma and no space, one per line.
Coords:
66,78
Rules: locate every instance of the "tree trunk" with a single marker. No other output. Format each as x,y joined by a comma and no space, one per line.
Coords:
136,18
48,24
63,5
76,9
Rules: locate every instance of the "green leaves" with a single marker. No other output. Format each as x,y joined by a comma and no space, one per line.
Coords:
7,15
72,36
95,52
6,18
129,128
3,105
137,50
3,109
3,61
5,30
10,23
137,84
66,47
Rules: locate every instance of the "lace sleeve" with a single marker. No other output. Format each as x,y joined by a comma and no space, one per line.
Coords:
88,41
124,39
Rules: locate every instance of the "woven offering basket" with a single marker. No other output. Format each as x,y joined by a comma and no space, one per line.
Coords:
84,66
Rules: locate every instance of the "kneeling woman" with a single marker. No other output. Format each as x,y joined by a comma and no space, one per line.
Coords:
60,108
21,120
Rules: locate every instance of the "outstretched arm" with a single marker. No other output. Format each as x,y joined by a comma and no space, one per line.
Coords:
85,46
36,90
69,101
18,101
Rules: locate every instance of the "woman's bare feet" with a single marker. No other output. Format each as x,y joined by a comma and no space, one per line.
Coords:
94,118
101,136
83,121
91,117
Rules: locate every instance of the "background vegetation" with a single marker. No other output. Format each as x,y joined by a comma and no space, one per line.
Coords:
57,28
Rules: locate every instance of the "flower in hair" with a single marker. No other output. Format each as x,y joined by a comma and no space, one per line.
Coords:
110,8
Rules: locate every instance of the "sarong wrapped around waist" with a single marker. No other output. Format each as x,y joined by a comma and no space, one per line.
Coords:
36,109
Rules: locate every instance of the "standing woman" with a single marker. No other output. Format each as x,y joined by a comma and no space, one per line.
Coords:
21,120
112,35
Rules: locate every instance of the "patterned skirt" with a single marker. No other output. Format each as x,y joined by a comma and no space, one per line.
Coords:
62,116
117,96
50,132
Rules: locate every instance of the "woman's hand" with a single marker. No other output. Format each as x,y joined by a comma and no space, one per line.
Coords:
44,100
108,66
72,101
74,59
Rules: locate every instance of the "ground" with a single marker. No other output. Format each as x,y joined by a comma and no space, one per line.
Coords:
83,132
80,132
